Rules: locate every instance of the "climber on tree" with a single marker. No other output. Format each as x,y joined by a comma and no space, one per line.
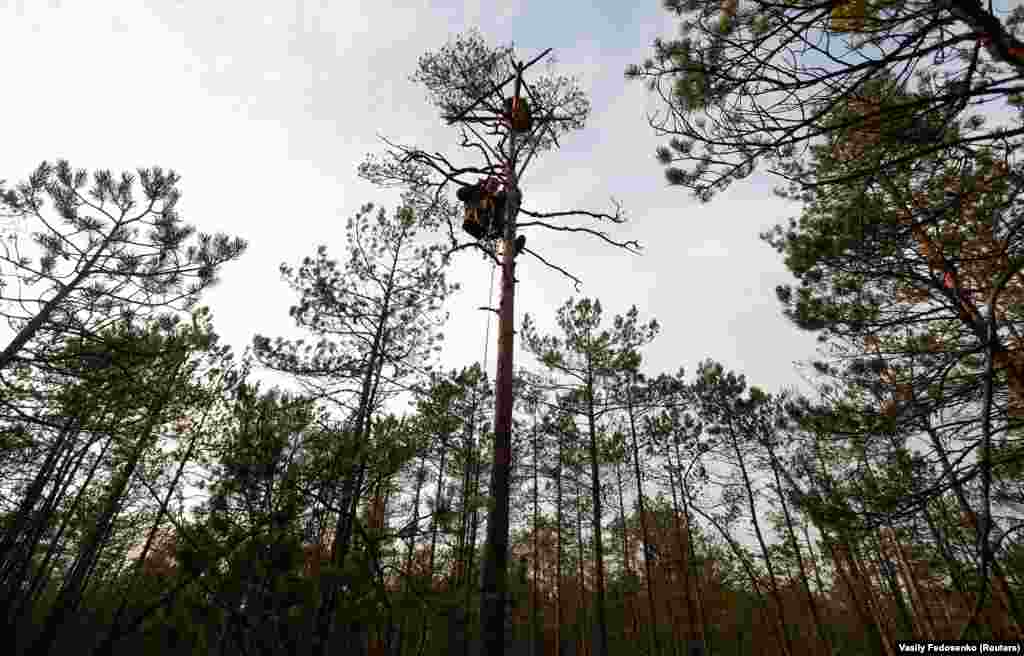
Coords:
485,211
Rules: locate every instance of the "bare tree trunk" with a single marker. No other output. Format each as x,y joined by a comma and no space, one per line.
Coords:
534,608
581,622
494,572
849,572
922,616
786,644
682,568
30,329
106,647
437,505
747,566
811,604
474,528
42,574
71,591
414,529
462,545
353,482
19,561
690,568
22,517
628,606
814,559
1003,592
642,510
942,544
888,575
559,612
414,520
595,482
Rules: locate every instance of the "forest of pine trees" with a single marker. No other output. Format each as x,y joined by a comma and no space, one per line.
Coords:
157,498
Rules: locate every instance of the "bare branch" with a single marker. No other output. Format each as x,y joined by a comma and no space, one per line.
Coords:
617,217
576,281
630,245
472,244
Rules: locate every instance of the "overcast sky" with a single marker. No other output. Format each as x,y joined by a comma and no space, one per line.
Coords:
267,108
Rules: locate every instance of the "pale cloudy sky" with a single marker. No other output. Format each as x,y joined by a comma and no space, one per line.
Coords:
266,109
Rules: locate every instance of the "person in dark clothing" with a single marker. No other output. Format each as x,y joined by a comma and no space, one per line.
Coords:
473,223
485,209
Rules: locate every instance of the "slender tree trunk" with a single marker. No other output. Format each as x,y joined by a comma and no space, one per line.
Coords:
1003,592
42,574
748,568
601,648
71,591
814,559
698,589
534,608
20,557
687,566
642,510
882,618
628,607
884,564
474,529
681,570
559,609
414,528
691,550
353,482
849,573
106,647
917,597
786,644
493,582
581,612
414,520
846,570
943,546
466,547
22,517
36,323
462,545
811,604
437,505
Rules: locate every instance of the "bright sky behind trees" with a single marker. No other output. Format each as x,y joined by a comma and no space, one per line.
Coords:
266,109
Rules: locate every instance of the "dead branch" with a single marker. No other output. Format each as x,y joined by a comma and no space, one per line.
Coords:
576,281
630,245
471,244
617,217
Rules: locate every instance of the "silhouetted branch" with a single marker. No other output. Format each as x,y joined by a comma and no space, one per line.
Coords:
472,244
617,217
630,245
576,281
